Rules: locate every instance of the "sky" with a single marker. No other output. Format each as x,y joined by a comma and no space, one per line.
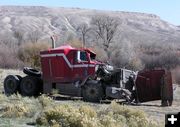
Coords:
168,10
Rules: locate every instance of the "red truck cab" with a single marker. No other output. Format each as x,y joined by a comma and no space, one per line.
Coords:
66,65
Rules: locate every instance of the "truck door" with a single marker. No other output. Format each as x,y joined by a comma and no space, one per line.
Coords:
80,67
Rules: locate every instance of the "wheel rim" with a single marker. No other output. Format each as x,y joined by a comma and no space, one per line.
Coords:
28,86
92,92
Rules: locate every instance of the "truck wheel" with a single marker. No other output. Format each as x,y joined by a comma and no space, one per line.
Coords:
20,79
29,86
92,92
11,84
31,72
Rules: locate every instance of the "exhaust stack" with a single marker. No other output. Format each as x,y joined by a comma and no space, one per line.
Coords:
53,42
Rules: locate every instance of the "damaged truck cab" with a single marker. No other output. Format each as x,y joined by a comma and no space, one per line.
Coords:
64,68
75,72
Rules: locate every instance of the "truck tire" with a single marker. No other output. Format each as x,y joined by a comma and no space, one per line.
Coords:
20,79
11,84
32,72
92,91
30,86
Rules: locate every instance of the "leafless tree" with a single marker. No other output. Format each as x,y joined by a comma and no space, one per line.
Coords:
166,59
19,36
8,57
8,39
34,36
105,28
83,29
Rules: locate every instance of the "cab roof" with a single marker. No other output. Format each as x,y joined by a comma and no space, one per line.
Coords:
65,49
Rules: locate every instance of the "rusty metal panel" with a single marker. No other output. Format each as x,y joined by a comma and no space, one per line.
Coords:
148,85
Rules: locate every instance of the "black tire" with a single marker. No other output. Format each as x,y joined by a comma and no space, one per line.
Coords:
20,79
92,91
32,72
30,86
11,84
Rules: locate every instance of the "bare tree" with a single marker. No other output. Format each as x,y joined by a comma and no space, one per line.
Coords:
7,39
83,29
34,36
19,36
105,28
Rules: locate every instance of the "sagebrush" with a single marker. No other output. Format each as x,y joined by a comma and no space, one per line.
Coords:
87,116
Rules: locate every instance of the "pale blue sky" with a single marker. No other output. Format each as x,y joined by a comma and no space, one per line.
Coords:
168,10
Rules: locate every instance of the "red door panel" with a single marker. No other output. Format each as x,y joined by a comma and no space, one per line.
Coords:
148,84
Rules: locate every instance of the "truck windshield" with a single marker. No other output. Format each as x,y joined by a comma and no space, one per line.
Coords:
83,56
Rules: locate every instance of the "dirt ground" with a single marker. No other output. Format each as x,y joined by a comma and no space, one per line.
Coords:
156,112
153,109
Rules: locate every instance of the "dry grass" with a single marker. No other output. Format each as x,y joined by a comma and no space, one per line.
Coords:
45,111
87,116
16,106
45,100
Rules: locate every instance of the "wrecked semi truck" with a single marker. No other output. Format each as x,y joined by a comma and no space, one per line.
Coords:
75,72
